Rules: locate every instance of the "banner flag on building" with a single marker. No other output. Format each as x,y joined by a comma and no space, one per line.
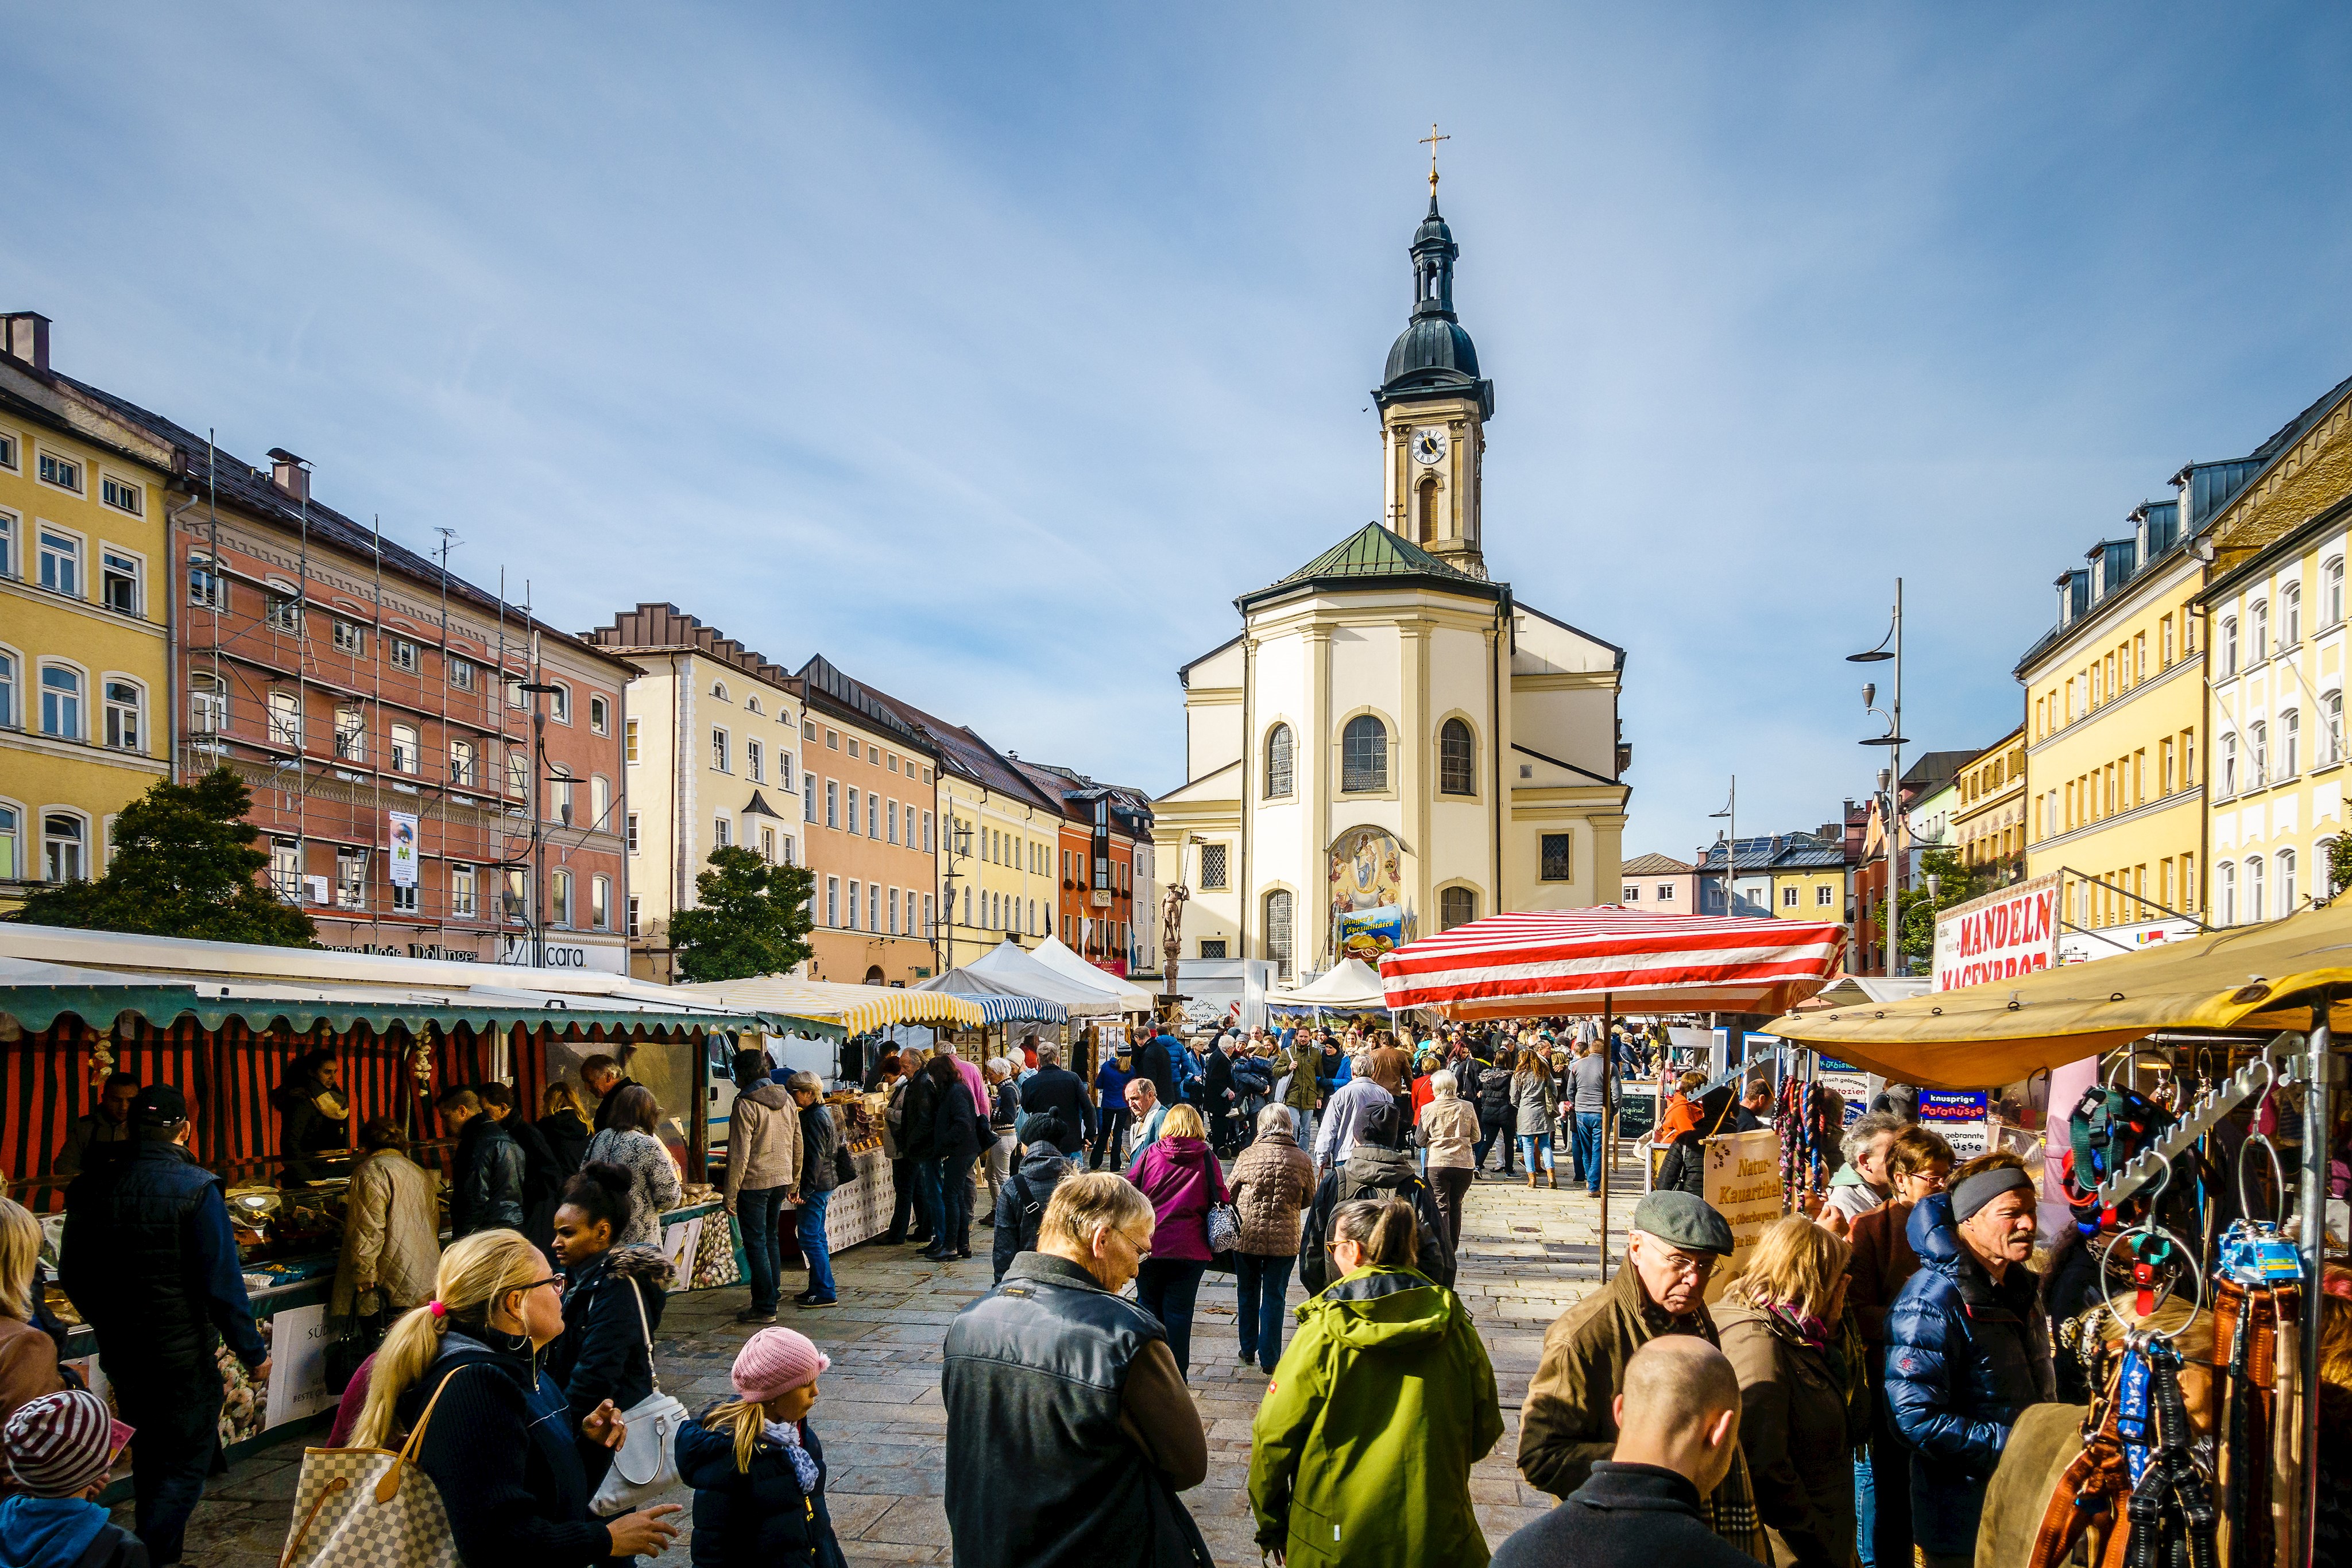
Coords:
403,848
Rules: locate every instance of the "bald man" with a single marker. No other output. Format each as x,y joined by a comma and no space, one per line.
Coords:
1678,1434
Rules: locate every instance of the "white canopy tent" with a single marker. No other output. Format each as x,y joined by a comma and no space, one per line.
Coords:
1010,966
1352,986
1058,956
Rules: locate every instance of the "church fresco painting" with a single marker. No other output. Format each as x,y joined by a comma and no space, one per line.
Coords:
1368,911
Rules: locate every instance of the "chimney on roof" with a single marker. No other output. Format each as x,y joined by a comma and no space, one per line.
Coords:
25,335
289,473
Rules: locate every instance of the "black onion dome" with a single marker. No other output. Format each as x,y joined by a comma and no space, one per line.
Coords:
1430,343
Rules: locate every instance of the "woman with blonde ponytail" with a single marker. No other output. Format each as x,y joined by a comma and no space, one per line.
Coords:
502,1444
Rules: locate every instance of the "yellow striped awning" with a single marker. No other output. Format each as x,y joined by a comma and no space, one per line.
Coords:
857,1009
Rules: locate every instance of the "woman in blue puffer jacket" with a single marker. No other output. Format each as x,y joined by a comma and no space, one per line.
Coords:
1967,1347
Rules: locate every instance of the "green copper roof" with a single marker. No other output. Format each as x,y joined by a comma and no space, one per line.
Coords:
1370,556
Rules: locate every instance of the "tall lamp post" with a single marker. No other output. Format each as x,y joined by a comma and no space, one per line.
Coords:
1890,647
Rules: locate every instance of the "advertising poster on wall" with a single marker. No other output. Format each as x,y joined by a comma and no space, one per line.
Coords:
2000,936
402,851
1743,1183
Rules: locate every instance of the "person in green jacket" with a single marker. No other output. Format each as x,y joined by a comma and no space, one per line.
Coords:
1362,1447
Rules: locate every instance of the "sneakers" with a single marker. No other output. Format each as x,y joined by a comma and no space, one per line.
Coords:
756,1315
811,1299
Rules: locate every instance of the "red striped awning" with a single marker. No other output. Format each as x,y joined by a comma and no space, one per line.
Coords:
1632,960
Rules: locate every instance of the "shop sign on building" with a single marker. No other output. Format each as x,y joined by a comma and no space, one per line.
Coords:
2107,941
1998,936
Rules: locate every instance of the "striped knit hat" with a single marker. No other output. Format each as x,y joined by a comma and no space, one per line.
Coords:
62,1444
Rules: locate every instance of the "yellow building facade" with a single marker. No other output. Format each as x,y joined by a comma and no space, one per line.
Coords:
86,701
2275,605
1988,821
2115,724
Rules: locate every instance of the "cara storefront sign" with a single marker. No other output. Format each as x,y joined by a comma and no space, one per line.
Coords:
1998,936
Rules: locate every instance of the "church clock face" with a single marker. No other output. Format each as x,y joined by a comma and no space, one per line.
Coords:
1428,445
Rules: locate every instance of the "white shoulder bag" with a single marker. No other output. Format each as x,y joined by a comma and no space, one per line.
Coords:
646,1463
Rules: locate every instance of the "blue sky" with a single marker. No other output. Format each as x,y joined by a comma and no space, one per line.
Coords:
991,351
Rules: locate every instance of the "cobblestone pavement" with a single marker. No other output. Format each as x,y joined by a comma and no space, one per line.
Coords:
1526,1256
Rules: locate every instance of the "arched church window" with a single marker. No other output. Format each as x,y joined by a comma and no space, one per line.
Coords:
1364,756
1426,519
1454,758
1456,906
1277,761
1277,931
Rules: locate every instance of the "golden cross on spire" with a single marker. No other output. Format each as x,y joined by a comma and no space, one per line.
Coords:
1431,142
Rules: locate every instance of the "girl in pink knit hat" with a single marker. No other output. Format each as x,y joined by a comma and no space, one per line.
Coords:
756,1466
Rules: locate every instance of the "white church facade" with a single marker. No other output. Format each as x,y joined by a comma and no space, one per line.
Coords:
1394,745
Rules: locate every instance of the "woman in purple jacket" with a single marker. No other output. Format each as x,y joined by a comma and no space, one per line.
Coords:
1181,1178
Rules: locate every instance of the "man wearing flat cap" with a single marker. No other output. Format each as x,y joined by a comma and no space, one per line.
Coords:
1967,1349
1567,1423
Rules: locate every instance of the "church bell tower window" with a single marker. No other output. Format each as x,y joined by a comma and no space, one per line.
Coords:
1425,512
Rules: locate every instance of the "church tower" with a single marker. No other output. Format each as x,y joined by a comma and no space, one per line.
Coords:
1433,412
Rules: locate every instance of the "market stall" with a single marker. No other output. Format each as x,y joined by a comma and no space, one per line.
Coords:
226,1023
1607,960
2193,1165
1351,989
852,1018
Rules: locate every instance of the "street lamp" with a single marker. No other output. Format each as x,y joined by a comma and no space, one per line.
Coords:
1890,647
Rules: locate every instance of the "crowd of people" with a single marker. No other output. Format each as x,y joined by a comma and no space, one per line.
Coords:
1842,1403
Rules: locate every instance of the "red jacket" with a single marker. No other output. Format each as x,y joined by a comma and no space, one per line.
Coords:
1181,1179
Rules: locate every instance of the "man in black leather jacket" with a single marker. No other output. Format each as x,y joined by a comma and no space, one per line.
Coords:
488,1191
1069,1429
150,1263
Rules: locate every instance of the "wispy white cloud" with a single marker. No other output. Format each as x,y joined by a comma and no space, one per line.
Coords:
992,352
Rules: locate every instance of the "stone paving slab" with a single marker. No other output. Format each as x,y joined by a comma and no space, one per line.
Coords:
1526,1257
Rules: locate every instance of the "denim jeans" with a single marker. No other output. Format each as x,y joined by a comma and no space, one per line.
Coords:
756,1209
1165,1287
813,1243
1588,1149
1528,1144
1260,1284
926,1196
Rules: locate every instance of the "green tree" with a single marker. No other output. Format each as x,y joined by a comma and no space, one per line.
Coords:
749,918
2339,863
184,865
1955,884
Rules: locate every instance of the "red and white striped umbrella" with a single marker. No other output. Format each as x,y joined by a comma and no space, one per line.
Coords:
1623,960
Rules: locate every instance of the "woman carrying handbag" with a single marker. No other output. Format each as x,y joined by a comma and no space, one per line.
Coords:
613,1301
458,1384
1181,1178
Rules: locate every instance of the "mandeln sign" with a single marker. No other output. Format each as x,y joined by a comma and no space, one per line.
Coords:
1998,936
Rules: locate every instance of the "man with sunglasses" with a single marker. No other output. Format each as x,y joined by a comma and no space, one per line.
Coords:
1569,1423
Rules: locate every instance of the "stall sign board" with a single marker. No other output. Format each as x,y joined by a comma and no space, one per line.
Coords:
1959,1116
2000,936
1742,1182
1848,1081
1636,1113
297,1365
